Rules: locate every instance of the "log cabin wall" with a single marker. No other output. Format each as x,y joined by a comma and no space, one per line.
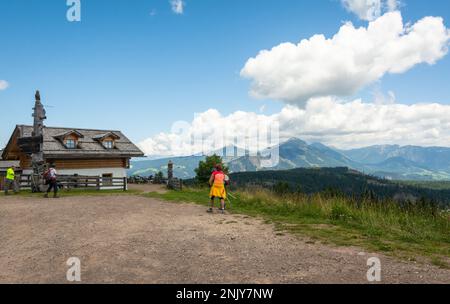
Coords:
25,162
70,164
13,150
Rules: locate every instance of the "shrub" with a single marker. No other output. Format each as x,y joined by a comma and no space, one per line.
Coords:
340,213
205,168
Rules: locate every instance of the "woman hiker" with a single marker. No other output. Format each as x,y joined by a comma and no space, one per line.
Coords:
217,183
51,180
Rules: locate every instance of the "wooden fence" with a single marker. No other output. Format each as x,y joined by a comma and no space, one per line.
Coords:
79,182
175,184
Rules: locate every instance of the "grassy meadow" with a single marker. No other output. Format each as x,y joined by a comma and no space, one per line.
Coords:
435,185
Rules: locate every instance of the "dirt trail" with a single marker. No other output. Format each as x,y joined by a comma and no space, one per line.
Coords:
132,239
147,188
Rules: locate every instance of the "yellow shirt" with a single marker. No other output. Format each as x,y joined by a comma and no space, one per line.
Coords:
10,174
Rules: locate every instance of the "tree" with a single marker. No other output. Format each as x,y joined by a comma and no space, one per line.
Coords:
159,178
281,188
206,167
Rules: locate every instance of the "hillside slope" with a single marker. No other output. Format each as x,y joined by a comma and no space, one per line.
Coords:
341,180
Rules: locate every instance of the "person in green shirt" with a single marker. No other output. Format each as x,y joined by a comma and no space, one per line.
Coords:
10,180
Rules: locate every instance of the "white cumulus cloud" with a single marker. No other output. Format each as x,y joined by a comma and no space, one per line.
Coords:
177,6
392,5
370,9
3,85
326,119
211,131
347,62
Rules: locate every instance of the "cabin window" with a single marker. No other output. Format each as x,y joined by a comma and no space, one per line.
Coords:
108,144
107,179
71,144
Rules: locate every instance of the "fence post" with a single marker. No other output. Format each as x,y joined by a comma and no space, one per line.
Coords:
125,184
98,183
170,170
170,175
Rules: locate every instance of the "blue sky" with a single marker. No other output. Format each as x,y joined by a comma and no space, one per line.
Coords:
137,66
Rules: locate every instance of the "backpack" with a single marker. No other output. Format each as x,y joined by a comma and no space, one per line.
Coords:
48,178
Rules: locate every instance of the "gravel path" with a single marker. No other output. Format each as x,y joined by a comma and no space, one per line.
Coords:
132,239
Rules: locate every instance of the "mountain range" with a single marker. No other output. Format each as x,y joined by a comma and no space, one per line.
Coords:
387,161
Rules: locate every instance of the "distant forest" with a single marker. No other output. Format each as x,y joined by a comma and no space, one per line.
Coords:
340,181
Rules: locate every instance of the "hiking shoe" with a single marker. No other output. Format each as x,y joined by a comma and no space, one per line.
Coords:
210,210
222,211
46,195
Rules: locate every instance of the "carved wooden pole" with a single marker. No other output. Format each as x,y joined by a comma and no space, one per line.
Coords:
38,125
170,171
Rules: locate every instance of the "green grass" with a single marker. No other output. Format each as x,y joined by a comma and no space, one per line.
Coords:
434,185
403,232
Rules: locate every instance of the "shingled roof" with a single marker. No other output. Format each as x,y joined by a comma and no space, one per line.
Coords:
89,145
5,164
